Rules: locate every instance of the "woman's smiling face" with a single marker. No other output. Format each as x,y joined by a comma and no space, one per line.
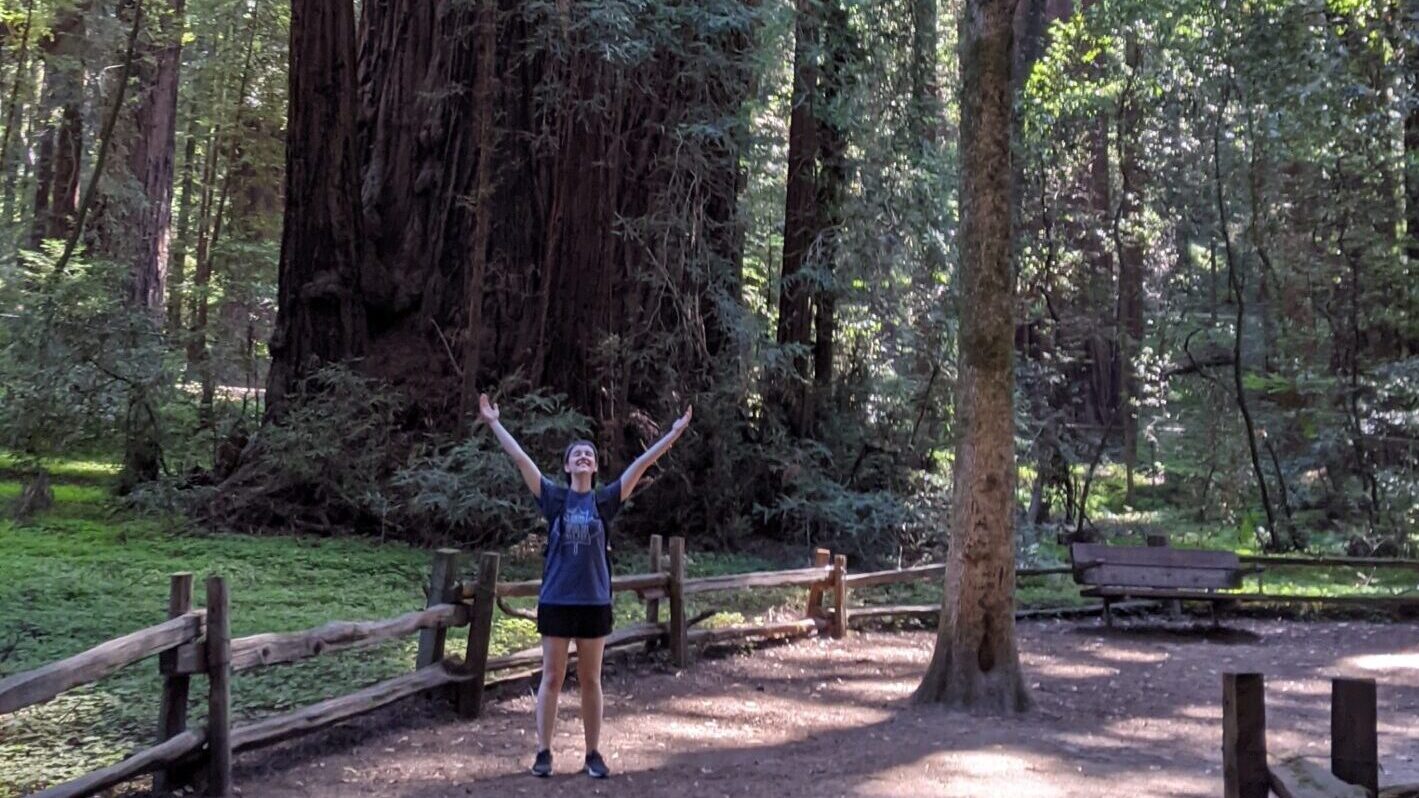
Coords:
581,459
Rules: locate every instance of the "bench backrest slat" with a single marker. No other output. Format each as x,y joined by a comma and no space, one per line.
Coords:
1158,567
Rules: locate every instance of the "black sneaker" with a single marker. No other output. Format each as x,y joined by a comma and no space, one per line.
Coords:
596,766
542,768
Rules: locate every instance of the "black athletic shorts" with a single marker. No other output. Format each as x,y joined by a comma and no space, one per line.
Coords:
574,620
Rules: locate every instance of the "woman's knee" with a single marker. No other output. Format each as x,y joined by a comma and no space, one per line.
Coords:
552,682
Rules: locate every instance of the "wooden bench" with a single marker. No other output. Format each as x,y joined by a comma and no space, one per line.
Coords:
1156,572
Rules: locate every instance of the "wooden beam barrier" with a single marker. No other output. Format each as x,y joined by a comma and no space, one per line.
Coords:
256,651
679,642
172,703
1244,766
317,716
768,631
164,755
219,689
933,571
641,583
619,638
440,591
468,696
46,682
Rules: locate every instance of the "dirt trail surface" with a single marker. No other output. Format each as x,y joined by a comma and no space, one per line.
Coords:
1130,711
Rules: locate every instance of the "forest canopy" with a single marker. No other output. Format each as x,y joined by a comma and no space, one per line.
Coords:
265,252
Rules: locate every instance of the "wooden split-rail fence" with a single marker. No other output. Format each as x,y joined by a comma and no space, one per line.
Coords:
198,642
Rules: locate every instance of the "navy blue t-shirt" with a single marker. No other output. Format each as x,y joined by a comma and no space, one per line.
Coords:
576,570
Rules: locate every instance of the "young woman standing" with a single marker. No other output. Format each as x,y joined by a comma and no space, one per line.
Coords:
575,600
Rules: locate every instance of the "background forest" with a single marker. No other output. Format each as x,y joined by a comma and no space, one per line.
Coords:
266,254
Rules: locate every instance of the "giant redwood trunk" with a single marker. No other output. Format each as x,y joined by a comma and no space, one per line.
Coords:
976,664
320,317
603,218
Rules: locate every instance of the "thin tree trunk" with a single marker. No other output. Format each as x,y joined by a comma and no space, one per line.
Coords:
177,265
12,116
1235,284
207,244
485,97
831,186
976,663
105,139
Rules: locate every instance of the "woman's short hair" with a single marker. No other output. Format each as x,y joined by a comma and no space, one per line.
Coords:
567,455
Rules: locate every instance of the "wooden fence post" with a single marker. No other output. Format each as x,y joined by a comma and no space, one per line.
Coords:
839,597
1244,772
172,707
679,634
219,689
441,575
468,695
821,557
652,606
1354,741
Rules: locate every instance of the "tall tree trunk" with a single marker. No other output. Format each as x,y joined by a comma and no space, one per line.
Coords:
207,244
837,70
150,158
62,138
976,664
320,318
1129,235
800,214
925,118
12,117
1235,284
177,263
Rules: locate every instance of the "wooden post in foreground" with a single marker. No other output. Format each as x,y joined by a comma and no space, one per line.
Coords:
821,557
172,707
219,689
679,634
468,695
1354,741
441,576
840,597
1244,773
652,606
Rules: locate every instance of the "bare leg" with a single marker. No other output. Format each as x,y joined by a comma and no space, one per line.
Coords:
588,675
554,670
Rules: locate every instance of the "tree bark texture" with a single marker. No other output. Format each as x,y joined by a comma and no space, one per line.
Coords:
800,219
609,215
976,663
61,128
320,318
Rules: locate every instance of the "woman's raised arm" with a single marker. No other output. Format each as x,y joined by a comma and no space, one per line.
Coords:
530,473
637,469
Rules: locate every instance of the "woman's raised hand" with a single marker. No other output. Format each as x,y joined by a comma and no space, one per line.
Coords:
486,409
683,421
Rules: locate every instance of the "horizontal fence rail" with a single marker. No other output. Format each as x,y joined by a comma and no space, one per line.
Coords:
43,684
197,643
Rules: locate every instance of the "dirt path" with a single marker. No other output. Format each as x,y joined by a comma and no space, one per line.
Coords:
1135,711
